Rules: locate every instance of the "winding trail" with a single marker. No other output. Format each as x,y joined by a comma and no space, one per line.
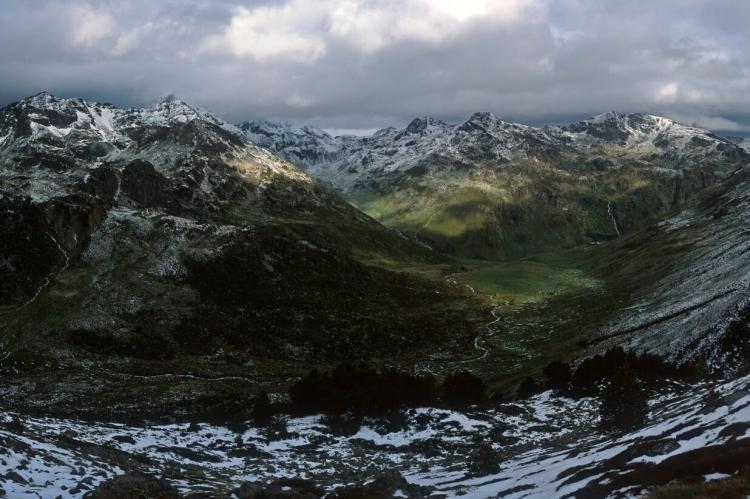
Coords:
488,332
479,339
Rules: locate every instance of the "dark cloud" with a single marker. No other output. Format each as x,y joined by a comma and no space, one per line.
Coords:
370,63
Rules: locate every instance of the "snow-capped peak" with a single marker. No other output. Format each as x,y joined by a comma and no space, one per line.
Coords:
486,139
630,121
303,144
269,128
46,102
485,117
419,125
40,99
44,107
487,122
59,140
171,110
609,116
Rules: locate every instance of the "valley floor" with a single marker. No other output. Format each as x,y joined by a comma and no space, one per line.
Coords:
540,308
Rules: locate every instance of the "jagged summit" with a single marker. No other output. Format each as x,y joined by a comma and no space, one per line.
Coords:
384,131
484,117
608,116
269,128
45,98
44,103
303,144
44,115
42,96
420,125
48,100
633,121
485,137
36,115
171,109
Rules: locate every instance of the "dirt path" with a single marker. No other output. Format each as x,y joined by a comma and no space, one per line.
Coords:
489,331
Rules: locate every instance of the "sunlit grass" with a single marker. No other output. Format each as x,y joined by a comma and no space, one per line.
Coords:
530,280
443,210
519,209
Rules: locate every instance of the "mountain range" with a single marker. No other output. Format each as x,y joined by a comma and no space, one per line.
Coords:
488,188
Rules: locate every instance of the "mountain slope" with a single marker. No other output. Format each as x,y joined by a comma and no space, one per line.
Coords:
161,240
488,188
688,281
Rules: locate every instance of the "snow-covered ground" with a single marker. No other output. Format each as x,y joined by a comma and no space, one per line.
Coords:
678,424
547,446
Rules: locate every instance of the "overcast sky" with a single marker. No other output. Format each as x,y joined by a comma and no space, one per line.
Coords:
361,64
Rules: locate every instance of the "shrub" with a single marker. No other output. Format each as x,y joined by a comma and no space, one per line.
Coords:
366,391
624,402
343,425
362,390
592,373
262,413
462,389
557,375
483,460
528,388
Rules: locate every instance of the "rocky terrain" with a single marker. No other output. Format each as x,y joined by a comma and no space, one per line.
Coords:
168,283
548,446
493,189
161,242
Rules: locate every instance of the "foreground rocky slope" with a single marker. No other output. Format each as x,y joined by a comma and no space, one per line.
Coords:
490,188
161,240
547,446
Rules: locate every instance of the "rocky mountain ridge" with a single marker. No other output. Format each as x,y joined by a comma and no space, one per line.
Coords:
489,188
350,162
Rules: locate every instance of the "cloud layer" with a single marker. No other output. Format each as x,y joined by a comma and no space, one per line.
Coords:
369,63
